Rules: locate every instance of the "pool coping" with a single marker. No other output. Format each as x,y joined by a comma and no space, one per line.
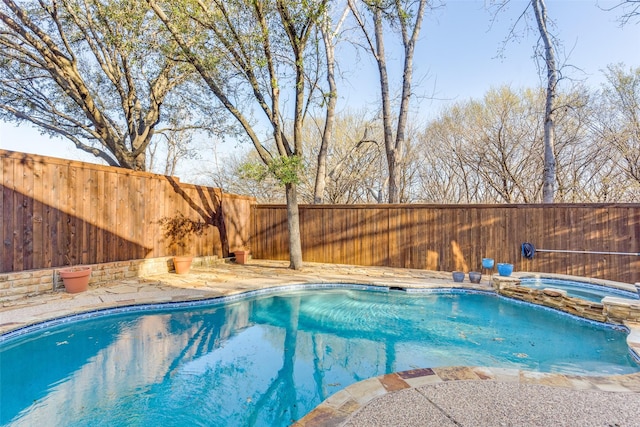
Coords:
208,283
236,280
361,398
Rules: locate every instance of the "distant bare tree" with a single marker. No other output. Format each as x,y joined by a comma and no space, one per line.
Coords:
617,123
549,174
329,36
576,155
355,168
167,151
404,16
630,10
485,149
482,151
547,52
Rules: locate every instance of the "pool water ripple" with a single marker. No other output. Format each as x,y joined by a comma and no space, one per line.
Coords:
271,358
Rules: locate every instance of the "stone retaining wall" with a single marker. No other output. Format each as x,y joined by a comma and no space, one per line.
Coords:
34,282
620,310
611,309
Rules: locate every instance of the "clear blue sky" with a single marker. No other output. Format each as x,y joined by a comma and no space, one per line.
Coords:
457,56
456,59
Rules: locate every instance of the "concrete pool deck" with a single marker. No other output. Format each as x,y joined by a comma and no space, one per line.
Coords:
454,396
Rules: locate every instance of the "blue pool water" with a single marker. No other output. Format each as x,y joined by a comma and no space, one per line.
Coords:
586,291
268,360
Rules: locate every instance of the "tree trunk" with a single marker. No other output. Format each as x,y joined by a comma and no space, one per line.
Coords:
394,147
321,172
549,173
395,171
293,223
389,144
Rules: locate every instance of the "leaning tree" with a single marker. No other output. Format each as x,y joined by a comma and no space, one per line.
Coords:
252,55
97,72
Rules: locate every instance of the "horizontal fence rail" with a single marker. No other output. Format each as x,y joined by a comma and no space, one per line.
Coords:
57,212
457,237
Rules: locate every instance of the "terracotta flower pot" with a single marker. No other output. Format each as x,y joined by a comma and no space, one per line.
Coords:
182,264
242,257
75,279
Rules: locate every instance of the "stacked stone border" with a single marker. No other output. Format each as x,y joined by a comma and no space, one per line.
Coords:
610,310
21,284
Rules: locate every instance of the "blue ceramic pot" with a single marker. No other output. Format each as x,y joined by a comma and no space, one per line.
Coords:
487,262
458,276
505,269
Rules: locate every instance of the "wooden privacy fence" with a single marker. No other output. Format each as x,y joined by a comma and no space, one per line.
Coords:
457,237
57,212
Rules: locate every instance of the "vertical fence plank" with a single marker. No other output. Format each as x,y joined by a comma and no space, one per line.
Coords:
85,251
151,196
53,215
125,205
7,225
138,219
3,245
97,213
26,258
109,214
62,255
31,212
394,259
19,213
633,244
71,208
46,207
38,233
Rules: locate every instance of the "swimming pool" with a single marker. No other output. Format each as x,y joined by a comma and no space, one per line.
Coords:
269,359
586,291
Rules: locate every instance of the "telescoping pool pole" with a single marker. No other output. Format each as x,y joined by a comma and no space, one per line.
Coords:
589,252
528,251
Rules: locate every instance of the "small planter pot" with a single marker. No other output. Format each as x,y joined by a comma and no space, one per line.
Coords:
75,279
487,263
458,276
475,277
505,269
638,288
242,257
182,264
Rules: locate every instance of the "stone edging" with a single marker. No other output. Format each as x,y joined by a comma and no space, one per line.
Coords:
20,284
339,407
